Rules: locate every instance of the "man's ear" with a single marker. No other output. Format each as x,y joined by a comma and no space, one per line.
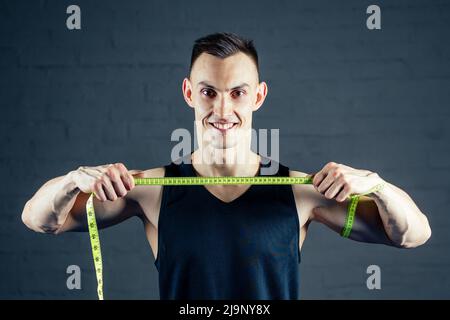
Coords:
187,92
261,94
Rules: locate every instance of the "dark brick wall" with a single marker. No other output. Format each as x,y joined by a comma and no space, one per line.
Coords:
111,92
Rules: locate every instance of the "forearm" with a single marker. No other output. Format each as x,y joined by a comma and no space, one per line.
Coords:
403,221
47,210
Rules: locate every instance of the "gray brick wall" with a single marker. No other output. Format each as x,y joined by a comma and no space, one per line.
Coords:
111,92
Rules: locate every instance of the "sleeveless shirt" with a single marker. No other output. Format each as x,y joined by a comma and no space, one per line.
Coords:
245,249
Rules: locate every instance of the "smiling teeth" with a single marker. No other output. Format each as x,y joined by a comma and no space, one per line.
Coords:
223,125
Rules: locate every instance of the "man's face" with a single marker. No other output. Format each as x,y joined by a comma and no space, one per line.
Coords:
223,93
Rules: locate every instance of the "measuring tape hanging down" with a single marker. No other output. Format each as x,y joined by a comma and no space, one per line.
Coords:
95,245
190,181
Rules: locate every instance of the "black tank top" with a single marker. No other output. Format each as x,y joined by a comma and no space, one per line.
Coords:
210,249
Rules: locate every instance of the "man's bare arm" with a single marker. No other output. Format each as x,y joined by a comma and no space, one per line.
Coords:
388,216
59,205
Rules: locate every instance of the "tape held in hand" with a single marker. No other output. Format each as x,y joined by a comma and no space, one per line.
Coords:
352,209
189,181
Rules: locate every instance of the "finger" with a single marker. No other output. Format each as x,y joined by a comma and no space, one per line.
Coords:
126,181
318,177
334,189
112,172
344,194
326,183
98,191
119,188
127,178
323,173
116,181
109,189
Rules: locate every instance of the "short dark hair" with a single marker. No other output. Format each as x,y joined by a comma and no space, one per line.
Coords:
223,45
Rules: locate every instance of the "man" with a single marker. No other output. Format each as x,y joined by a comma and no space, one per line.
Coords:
228,241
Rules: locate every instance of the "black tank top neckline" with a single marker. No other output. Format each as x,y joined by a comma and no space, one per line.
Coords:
190,171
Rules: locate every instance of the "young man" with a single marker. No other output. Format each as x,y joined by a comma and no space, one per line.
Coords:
227,241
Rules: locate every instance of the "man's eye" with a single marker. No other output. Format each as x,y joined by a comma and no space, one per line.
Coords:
209,93
237,94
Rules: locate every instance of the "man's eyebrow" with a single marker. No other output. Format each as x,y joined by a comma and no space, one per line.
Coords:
204,83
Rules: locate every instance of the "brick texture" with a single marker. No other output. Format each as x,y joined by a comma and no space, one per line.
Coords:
111,92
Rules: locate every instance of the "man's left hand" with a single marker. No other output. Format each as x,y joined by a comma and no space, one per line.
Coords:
338,181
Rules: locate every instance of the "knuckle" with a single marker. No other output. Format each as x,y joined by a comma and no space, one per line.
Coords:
112,173
98,183
98,192
120,166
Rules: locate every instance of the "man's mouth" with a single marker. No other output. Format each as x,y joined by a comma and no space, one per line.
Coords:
223,126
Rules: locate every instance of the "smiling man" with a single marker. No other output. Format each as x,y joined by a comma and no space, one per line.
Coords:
228,241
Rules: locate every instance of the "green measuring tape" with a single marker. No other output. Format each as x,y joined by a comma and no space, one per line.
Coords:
189,181
352,209
95,245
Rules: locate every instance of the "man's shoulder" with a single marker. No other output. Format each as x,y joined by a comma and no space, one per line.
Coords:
306,196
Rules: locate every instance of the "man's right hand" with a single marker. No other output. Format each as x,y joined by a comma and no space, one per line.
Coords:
60,204
108,182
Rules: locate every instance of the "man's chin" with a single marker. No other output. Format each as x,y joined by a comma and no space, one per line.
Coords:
221,141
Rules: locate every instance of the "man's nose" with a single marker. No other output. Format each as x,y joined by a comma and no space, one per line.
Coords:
223,107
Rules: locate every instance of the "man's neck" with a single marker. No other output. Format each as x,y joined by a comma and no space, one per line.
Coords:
230,163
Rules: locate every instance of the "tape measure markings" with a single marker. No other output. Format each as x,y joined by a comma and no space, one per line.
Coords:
95,245
180,181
